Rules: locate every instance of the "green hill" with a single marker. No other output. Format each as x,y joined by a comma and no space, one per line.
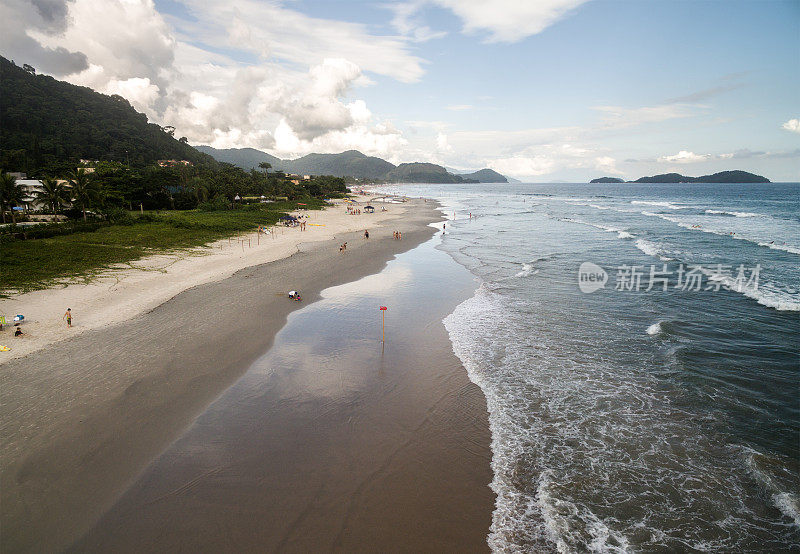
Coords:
485,176
246,158
607,180
48,125
352,163
423,173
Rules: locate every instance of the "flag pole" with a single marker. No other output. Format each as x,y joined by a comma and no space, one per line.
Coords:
383,324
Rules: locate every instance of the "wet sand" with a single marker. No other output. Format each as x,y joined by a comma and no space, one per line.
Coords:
82,420
329,442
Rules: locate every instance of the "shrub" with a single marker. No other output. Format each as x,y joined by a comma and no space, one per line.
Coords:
214,205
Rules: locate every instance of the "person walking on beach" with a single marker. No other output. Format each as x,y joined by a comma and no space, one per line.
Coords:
366,233
68,317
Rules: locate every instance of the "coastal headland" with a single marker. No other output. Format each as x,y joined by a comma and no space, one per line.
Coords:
82,418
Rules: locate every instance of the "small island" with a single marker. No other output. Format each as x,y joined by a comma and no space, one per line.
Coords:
736,176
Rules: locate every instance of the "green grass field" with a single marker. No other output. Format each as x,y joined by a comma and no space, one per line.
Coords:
34,264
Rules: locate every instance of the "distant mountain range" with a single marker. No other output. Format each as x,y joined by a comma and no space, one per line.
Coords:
736,176
351,163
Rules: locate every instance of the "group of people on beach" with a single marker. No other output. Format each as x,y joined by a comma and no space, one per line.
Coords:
18,329
343,247
398,235
353,210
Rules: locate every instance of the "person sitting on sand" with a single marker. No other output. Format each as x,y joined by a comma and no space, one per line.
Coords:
18,332
68,317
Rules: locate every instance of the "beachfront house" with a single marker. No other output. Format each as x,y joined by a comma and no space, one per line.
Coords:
30,189
173,163
88,165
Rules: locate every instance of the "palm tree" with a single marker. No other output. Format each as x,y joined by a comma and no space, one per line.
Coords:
265,166
84,191
53,193
10,195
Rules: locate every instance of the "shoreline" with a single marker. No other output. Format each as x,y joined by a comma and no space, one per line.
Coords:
77,430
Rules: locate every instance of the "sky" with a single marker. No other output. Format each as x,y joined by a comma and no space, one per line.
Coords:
539,90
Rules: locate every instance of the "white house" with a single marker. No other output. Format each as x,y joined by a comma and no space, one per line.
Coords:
30,187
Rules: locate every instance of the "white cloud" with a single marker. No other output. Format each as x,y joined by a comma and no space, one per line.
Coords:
607,164
442,144
459,107
267,29
292,94
685,157
503,20
620,117
524,165
793,125
126,39
407,23
21,20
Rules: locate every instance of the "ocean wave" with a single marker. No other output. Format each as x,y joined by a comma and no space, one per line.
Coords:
734,214
769,297
572,436
730,234
560,517
668,205
654,329
651,249
786,502
527,270
621,233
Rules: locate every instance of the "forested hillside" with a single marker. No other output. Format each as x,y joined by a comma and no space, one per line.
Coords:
47,126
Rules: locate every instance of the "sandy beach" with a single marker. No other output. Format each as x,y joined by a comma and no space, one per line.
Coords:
83,417
131,290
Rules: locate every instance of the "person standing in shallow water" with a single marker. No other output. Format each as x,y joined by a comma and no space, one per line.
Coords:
68,317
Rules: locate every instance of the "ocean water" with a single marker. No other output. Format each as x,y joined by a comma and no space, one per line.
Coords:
627,419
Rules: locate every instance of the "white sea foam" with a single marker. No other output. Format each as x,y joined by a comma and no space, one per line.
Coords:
764,294
668,205
654,329
724,233
527,270
734,214
621,233
651,249
566,427
787,503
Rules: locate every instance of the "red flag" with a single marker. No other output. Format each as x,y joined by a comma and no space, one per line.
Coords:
383,308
